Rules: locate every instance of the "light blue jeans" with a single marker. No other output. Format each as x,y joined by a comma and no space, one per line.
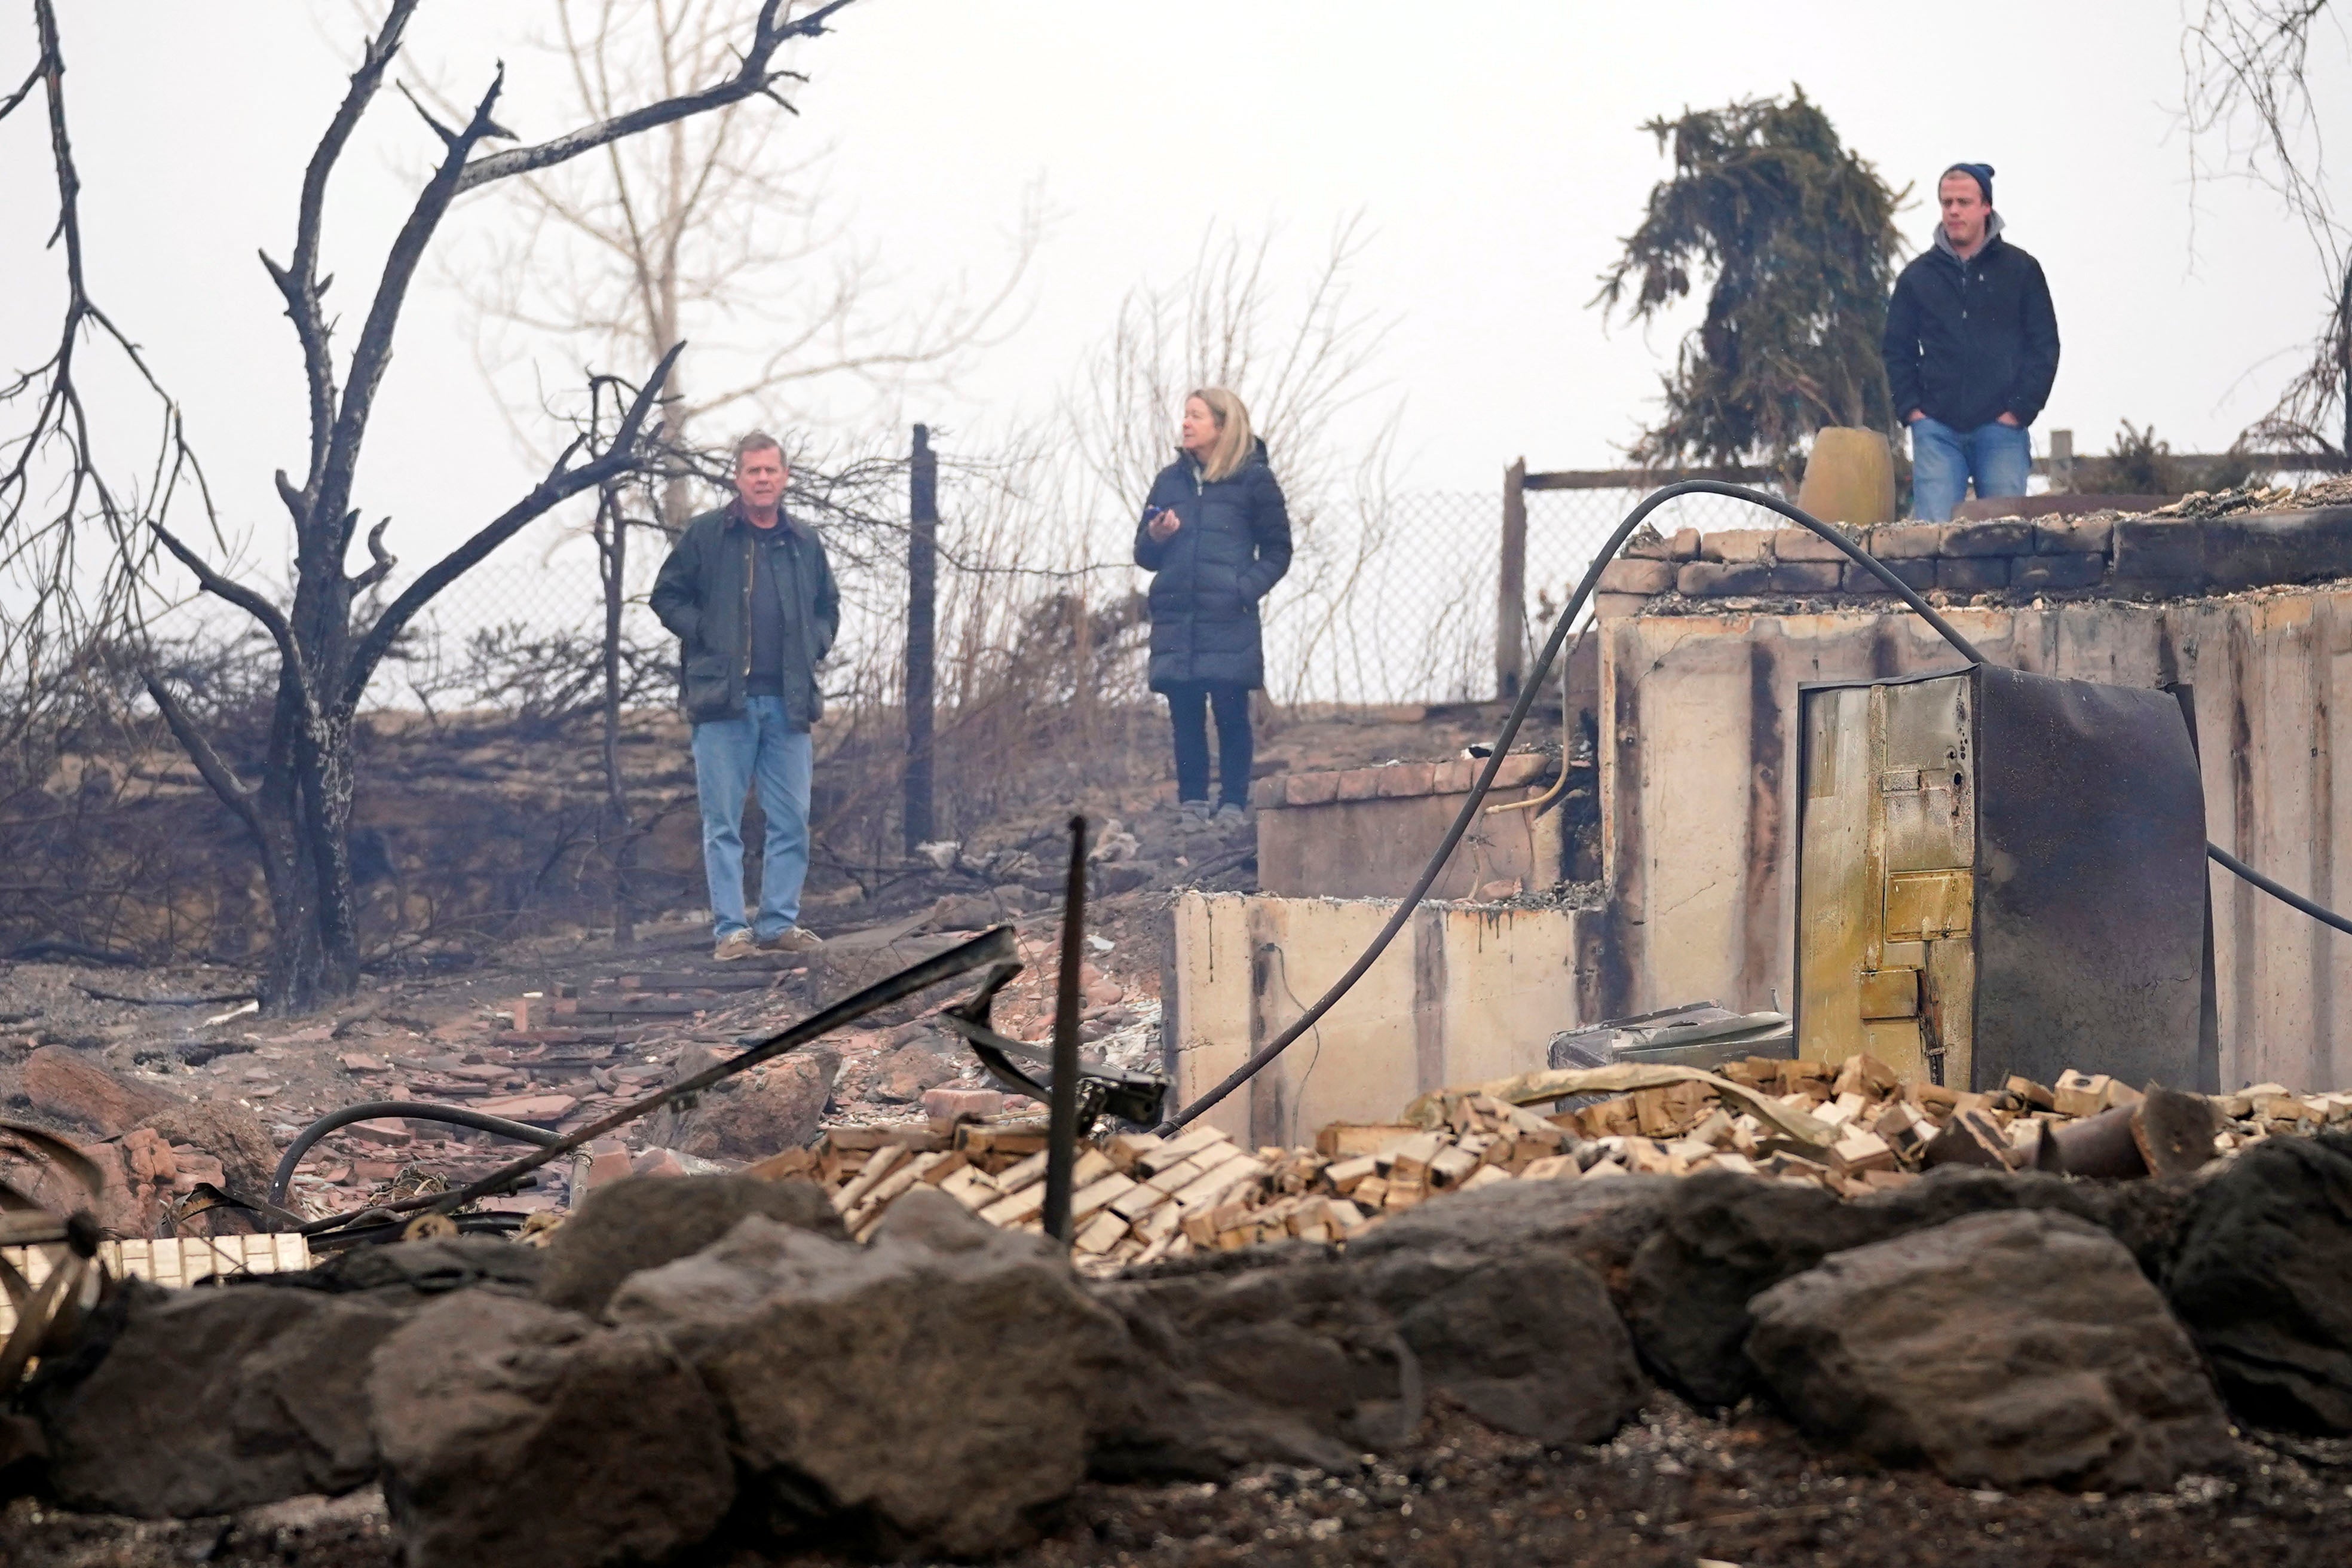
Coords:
730,756
1998,457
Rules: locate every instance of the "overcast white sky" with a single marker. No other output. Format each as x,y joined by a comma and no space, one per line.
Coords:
1492,146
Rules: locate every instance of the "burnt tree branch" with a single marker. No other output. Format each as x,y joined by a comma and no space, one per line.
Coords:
298,279
563,482
235,793
753,80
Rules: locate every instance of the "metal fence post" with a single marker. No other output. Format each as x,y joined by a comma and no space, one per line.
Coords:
1062,1109
1511,585
2062,460
922,610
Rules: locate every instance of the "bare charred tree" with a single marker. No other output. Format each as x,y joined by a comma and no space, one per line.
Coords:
297,808
2246,67
708,230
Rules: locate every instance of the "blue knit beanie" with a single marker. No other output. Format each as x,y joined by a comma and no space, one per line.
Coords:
1981,173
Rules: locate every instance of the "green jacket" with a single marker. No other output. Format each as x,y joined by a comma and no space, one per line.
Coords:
704,595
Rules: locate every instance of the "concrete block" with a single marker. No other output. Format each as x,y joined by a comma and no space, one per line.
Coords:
1359,784
1404,780
2166,552
1803,544
1971,539
1266,792
1806,577
1736,546
1520,768
1617,606
951,1104
2074,536
1918,572
1714,579
1317,788
1455,777
1906,542
1633,576
1684,546
2278,547
2030,573
1975,574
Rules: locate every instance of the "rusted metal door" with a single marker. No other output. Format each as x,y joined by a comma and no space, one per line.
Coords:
1999,872
1886,885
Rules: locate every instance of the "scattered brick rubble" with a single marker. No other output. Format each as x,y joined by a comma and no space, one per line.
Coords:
1139,1198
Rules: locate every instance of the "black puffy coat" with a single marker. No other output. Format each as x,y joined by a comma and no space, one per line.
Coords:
1208,578
1969,341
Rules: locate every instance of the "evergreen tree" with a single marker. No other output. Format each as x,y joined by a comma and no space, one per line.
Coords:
1797,236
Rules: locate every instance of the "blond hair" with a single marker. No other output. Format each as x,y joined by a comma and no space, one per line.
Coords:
1234,444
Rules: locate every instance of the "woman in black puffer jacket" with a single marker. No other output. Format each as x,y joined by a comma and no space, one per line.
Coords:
1215,536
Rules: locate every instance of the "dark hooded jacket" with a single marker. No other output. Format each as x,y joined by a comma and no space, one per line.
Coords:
1207,580
703,595
1969,341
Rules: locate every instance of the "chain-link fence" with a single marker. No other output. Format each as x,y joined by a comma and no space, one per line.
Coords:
1388,602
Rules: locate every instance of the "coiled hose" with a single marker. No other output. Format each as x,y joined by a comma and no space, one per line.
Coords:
290,1160
1273,1048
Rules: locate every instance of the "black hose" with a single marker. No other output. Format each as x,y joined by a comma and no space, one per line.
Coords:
288,1162
2223,859
1429,874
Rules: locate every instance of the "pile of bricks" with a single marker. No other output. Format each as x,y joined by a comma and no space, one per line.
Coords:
1138,1198
1884,1131
167,1260
2119,556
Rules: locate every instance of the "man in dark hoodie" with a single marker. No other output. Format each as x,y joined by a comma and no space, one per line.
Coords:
1971,348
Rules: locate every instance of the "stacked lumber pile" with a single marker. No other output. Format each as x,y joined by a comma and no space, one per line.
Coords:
1852,1129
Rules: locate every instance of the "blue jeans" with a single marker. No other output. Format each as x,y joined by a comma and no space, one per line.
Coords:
1999,457
730,756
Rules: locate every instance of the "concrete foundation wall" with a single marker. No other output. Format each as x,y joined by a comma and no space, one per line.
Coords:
1698,775
1365,833
1464,993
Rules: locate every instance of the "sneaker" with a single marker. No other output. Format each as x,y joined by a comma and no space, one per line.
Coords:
735,944
1230,813
793,939
1198,810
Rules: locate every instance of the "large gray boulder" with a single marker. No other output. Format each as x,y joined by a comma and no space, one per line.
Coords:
2002,1348
513,1432
935,1390
2262,1277
643,1222
1600,1224
1530,1345
183,1403
1720,1238
1275,1354
1294,1355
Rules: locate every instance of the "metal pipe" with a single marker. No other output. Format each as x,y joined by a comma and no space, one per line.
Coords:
1567,747
1062,1119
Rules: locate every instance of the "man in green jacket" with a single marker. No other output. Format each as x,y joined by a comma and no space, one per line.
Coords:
749,594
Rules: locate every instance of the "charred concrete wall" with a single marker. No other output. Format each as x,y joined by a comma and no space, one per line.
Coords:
1365,833
1698,775
1466,993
